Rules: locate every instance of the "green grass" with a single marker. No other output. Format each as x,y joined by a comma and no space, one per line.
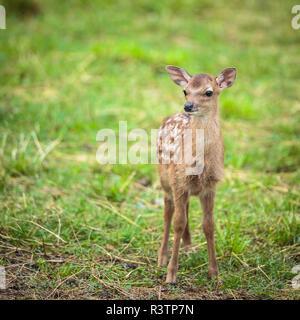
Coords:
72,228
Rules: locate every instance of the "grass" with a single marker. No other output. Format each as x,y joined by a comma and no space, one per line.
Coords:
71,228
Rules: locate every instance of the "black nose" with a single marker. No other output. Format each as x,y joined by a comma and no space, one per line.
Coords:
188,106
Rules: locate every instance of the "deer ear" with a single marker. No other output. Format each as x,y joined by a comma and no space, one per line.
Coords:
226,78
178,75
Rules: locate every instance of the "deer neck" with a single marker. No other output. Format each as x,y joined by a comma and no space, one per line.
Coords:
207,121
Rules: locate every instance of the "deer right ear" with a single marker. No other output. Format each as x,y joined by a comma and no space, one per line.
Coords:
226,78
178,75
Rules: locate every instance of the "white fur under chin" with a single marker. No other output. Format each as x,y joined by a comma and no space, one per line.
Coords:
200,117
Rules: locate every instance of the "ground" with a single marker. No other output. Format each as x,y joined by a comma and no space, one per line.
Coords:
71,228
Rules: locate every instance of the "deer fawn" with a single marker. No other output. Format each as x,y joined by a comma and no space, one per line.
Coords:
201,112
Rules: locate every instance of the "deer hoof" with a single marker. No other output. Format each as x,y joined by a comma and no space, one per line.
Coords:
213,273
171,276
162,260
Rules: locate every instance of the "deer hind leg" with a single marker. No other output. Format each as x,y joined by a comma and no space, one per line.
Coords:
168,213
207,202
186,234
180,220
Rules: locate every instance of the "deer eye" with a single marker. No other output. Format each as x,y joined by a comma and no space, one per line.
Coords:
209,93
184,92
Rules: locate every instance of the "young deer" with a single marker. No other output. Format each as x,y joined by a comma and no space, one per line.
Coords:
201,112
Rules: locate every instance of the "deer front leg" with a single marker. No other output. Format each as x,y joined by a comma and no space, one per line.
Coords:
168,213
207,202
186,238
180,220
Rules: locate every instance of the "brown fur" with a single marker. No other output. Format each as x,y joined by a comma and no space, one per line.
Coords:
178,186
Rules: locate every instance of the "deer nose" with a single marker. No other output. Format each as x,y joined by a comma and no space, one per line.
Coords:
188,107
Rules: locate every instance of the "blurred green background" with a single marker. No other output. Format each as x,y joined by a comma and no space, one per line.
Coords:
71,68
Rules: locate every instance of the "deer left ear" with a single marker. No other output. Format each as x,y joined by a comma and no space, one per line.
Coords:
226,78
178,75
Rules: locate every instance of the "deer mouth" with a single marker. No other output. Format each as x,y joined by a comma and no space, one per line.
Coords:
195,110
192,108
